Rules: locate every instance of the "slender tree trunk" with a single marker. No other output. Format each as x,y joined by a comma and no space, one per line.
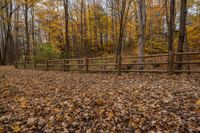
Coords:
28,48
17,35
113,26
182,28
142,27
86,50
81,28
150,25
167,18
8,56
1,45
67,46
171,36
89,20
106,36
124,11
33,29
95,27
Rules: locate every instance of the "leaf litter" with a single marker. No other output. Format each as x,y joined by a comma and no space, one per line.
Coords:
53,101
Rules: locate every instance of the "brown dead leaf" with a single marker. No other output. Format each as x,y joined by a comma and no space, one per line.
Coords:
89,131
99,101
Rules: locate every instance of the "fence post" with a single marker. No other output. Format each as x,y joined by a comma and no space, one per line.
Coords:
25,64
188,65
64,65
15,64
34,65
86,65
47,65
119,64
171,63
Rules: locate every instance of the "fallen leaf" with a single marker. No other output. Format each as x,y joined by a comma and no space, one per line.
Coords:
99,102
89,131
198,102
23,102
110,115
16,128
133,124
56,110
101,111
1,130
31,121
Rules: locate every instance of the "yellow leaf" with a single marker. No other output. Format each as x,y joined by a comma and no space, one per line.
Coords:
22,102
16,129
1,130
99,102
198,102
58,117
56,110
110,115
133,124
101,111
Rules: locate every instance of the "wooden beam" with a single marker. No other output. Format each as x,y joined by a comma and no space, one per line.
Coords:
187,62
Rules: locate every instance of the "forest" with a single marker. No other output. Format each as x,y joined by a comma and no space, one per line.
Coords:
40,29
59,59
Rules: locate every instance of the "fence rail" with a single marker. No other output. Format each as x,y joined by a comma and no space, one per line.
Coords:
159,63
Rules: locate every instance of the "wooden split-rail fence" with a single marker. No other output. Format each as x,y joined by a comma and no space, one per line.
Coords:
158,63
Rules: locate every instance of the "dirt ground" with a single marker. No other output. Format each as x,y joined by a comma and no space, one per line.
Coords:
50,101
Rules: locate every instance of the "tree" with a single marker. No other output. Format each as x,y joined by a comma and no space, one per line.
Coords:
67,46
90,28
171,36
7,37
124,12
28,48
142,26
182,32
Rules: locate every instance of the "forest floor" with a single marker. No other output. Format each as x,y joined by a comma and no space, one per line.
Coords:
50,101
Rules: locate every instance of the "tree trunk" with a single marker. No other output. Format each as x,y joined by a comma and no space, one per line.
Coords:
182,28
95,27
33,29
106,36
142,27
171,36
89,21
86,50
1,61
151,26
67,46
16,36
28,48
113,27
124,11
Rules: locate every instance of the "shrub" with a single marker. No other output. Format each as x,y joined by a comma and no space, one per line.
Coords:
46,52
